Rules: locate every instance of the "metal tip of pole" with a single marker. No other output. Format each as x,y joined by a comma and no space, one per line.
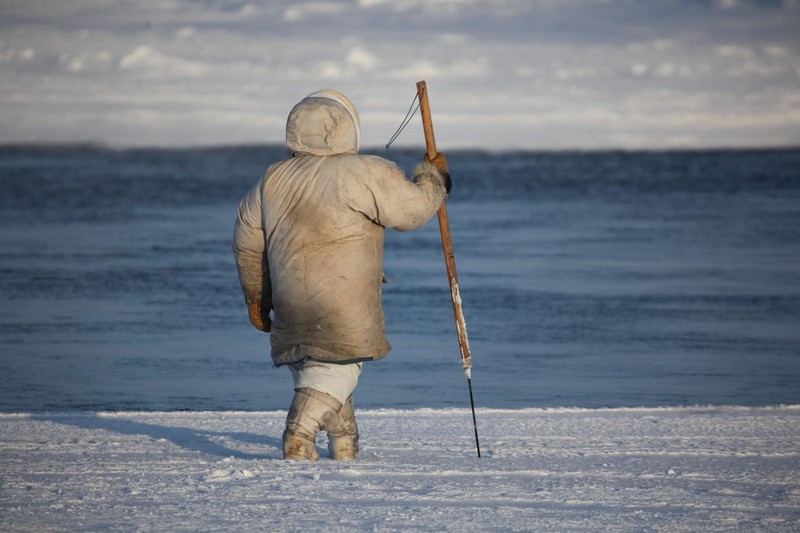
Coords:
474,420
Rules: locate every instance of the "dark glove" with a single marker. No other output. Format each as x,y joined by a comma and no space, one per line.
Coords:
440,162
259,316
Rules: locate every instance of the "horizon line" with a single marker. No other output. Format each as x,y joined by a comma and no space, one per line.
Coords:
97,145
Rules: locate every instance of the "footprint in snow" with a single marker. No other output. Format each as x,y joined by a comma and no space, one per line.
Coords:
229,474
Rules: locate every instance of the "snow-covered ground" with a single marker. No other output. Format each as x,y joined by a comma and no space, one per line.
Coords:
698,469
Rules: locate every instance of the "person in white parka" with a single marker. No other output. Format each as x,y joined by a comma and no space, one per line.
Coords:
308,243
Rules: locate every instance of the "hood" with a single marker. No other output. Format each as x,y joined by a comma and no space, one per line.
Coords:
324,123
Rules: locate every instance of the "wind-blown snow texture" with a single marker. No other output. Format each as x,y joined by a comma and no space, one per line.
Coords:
697,469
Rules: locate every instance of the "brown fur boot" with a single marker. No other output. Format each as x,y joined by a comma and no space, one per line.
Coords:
343,433
310,412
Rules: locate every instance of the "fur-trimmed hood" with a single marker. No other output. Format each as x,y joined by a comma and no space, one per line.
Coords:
324,123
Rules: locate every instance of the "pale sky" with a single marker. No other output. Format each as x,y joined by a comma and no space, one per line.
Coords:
502,74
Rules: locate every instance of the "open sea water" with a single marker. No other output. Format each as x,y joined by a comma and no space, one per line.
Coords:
588,279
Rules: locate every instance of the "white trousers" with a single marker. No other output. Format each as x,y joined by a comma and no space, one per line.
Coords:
337,380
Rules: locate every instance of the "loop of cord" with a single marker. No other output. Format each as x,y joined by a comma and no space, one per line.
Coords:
409,115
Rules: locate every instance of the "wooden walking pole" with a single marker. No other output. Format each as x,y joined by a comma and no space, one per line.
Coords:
449,257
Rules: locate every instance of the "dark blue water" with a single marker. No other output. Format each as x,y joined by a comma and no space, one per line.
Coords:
588,279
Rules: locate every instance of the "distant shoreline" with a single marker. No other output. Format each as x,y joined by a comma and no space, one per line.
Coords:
403,149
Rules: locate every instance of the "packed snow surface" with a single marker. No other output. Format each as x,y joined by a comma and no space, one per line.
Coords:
700,469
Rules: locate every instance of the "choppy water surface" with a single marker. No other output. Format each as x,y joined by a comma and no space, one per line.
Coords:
588,279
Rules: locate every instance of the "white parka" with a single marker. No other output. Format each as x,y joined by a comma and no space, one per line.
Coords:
308,239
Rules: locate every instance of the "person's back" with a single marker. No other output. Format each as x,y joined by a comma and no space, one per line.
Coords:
309,246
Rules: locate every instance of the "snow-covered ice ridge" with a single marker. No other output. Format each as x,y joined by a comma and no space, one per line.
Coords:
693,468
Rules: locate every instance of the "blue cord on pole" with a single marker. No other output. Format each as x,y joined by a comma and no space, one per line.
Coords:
409,115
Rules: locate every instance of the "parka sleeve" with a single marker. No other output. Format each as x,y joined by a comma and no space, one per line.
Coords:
391,200
249,248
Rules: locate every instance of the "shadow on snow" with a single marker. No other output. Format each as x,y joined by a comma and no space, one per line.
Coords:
199,440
